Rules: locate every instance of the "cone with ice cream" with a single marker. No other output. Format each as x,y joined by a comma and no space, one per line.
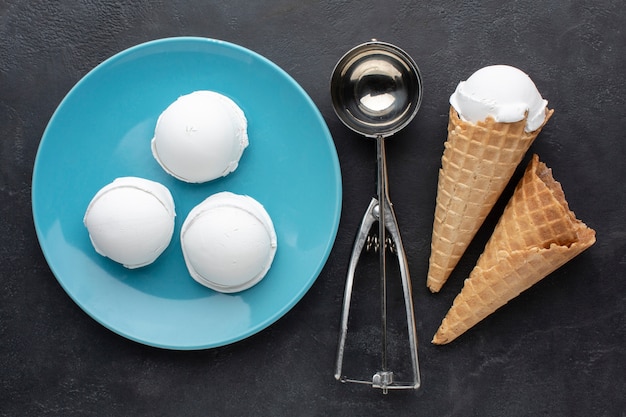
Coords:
536,234
494,118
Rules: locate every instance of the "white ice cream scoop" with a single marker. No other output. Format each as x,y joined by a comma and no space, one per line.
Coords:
228,242
200,137
503,92
131,221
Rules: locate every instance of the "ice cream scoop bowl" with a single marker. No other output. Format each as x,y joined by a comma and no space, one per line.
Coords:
376,90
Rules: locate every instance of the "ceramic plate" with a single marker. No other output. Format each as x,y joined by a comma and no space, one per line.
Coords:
102,130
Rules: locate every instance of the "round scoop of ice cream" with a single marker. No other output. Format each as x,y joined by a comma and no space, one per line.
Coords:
200,137
228,242
503,92
131,221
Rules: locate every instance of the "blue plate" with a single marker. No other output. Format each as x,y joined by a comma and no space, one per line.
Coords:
102,130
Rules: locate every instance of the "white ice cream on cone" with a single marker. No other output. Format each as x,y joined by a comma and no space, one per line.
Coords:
494,118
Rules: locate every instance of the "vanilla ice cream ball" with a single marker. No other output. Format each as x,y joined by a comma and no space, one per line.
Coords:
503,92
200,137
228,242
131,221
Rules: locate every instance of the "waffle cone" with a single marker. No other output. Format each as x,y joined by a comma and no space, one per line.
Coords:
477,164
536,234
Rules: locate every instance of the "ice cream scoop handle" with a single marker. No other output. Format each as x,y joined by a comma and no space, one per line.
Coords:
359,242
391,225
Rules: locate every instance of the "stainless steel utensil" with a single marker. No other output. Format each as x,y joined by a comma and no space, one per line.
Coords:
376,90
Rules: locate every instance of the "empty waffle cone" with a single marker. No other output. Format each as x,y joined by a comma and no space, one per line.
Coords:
477,164
536,234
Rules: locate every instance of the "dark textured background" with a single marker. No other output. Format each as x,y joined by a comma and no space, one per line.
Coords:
557,350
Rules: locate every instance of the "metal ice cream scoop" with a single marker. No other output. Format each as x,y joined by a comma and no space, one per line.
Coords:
376,90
